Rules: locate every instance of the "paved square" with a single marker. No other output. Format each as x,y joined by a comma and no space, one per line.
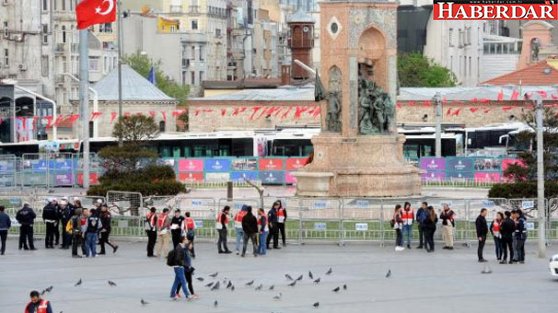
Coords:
446,281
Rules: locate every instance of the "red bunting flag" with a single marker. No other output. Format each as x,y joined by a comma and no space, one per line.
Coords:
152,114
456,112
223,112
448,113
444,100
59,120
473,110
113,116
164,114
426,103
92,12
73,118
543,94
505,109
484,100
411,103
501,95
254,111
554,97
284,116
177,113
514,95
316,111
398,105
299,111
95,115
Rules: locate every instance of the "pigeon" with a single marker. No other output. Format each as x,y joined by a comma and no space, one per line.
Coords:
310,275
388,274
215,287
300,277
43,292
200,278
271,287
143,302
111,283
329,271
250,283
215,304
316,304
232,288
78,283
278,297
336,289
214,274
229,285
344,287
49,289
486,270
210,284
293,283
288,277
317,280
259,287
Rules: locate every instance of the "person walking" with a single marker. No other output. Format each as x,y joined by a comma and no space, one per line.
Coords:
189,226
5,224
250,228
163,233
507,229
281,221
150,227
222,225
272,220
176,227
448,223
238,228
482,230
429,225
188,271
520,235
408,216
397,223
26,217
495,231
94,225
75,231
65,214
106,220
264,230
421,217
50,217
56,237
37,305
180,261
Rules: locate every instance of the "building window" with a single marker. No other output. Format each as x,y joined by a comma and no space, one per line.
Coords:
193,78
55,2
450,37
201,76
217,32
64,34
194,24
470,66
91,129
184,78
72,5
173,29
201,53
162,126
193,53
63,5
105,28
93,63
6,58
451,63
45,5
44,65
45,33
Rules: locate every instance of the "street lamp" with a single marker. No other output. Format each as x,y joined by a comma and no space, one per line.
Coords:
437,99
540,177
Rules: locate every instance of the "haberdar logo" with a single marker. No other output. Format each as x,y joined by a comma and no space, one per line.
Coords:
496,10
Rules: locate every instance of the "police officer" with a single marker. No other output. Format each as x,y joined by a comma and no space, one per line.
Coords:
65,213
26,217
50,217
273,227
520,235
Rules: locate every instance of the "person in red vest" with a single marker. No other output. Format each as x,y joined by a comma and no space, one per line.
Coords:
37,305
408,216
281,220
163,233
189,226
495,231
221,225
150,226
238,227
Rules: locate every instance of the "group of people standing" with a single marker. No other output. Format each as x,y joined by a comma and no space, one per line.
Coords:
161,229
261,230
509,232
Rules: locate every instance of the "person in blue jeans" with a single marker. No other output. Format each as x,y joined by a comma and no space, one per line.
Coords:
92,233
408,216
181,260
238,228
263,231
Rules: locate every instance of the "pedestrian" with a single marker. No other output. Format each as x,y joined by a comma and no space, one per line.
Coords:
5,224
189,226
150,227
238,228
430,228
520,235
188,271
250,228
176,227
448,223
37,305
273,227
26,218
408,216
281,221
65,213
264,230
221,225
57,226
94,225
180,261
106,220
507,229
421,217
163,233
50,217
83,224
75,230
397,224
495,231
482,230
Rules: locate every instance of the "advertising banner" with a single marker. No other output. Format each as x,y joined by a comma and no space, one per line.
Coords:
64,179
433,164
93,179
295,163
488,164
190,177
7,166
239,176
464,175
289,178
190,165
487,177
61,165
39,166
433,176
272,177
459,164
217,177
271,164
217,165
245,164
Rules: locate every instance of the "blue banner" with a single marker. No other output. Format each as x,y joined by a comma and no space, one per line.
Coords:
217,165
459,164
39,166
61,165
239,176
454,174
272,177
7,167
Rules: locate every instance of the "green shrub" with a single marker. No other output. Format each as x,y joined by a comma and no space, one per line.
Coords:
526,189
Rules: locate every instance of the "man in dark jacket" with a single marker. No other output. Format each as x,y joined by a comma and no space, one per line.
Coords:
421,217
76,234
250,228
65,213
273,228
482,231
50,217
506,230
26,217
520,235
5,224
181,260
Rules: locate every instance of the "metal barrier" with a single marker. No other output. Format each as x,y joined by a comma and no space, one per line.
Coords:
8,171
125,203
319,219
363,219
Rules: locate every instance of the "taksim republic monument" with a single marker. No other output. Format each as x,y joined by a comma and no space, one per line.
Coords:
358,152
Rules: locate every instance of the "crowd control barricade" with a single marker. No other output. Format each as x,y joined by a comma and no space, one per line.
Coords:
530,209
235,205
34,170
8,171
362,219
125,203
89,202
319,219
202,210
387,214
552,219
12,205
474,206
462,218
61,169
292,223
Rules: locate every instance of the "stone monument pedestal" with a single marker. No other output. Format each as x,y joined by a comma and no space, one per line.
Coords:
360,166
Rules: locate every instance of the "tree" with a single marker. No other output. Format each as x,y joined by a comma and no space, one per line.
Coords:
142,64
416,70
135,128
184,118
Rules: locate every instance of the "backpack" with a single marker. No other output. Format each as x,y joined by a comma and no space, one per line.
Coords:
392,223
70,227
171,258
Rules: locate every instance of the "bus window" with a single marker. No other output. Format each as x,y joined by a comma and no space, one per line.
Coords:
187,152
165,152
176,152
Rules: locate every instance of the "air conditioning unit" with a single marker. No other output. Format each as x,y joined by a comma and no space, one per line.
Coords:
22,67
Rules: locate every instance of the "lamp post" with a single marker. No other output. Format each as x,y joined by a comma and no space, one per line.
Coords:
437,99
120,17
540,179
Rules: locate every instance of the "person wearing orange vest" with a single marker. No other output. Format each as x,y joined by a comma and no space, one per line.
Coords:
221,225
37,305
263,230
150,226
189,226
495,231
281,220
408,216
238,227
163,233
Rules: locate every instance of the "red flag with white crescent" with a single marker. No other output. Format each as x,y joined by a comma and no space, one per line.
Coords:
92,12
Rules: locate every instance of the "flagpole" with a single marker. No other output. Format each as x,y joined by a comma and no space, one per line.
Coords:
119,15
84,100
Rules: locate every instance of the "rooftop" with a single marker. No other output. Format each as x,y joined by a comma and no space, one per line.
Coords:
283,93
541,73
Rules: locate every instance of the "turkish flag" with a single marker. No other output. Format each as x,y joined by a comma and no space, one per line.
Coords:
91,12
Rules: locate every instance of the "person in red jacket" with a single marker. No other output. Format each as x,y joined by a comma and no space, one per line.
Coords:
37,305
